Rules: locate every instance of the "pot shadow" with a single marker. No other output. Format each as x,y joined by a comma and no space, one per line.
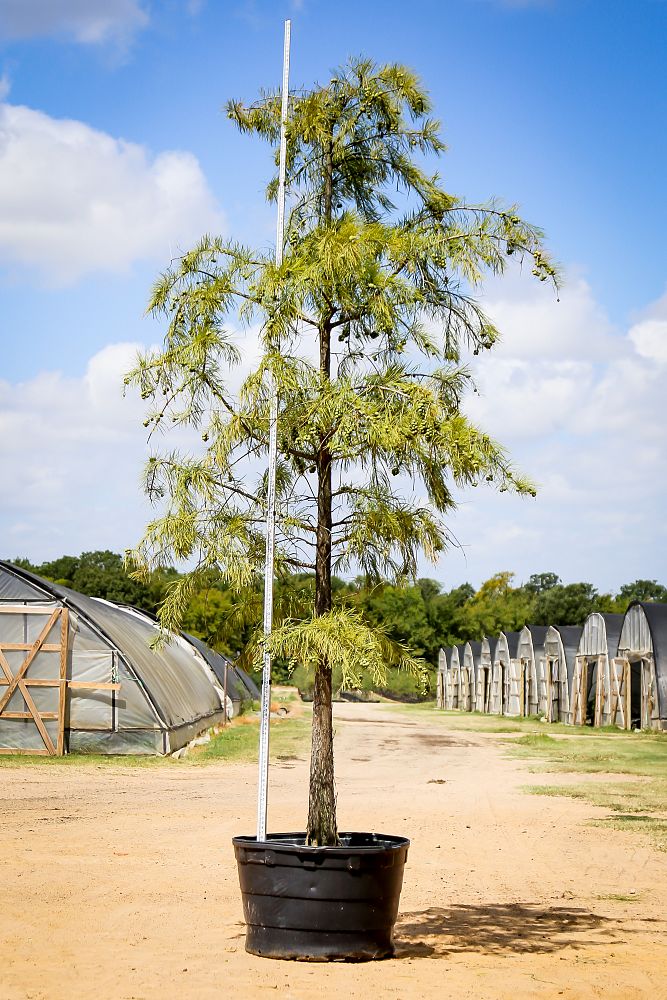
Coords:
500,928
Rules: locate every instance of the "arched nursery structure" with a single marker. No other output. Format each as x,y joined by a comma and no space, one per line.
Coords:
561,644
503,688
471,656
484,677
611,671
593,691
531,674
449,667
455,676
441,678
639,672
78,674
467,677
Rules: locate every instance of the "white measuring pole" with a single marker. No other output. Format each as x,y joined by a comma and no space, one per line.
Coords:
263,784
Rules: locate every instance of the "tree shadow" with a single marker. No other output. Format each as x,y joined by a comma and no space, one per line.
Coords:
499,928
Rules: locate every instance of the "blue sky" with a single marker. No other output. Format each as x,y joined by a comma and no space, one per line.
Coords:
114,152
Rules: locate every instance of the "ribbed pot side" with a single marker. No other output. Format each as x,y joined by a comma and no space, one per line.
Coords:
321,903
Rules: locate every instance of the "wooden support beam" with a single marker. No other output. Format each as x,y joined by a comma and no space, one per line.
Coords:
53,682
616,699
92,686
28,715
24,609
62,687
46,647
599,690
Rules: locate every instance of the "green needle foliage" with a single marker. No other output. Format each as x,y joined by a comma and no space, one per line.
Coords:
362,329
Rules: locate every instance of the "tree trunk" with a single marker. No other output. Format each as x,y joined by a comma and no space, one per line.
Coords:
322,797
322,829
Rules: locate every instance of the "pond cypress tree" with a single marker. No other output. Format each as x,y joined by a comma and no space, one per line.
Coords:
362,328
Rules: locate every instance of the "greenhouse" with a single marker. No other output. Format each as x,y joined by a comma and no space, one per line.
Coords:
445,669
484,678
455,677
561,644
466,678
79,674
613,671
441,680
530,667
471,654
595,685
505,672
640,691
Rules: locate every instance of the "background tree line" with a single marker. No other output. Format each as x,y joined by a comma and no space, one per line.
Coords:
423,615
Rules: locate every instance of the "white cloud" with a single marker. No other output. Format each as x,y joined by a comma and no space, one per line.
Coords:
650,339
72,450
534,323
89,22
590,433
581,410
75,200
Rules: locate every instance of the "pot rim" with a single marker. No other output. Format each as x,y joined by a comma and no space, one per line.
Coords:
297,841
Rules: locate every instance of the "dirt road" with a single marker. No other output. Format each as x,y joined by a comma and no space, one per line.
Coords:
120,883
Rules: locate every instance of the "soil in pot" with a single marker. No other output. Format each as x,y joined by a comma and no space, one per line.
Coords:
321,903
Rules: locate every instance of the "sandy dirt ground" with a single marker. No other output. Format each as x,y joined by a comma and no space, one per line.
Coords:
120,884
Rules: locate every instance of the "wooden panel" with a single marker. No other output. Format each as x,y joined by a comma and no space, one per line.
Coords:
616,699
5,751
583,700
27,697
34,649
16,681
19,681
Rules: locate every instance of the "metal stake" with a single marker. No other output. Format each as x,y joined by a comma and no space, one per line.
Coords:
263,783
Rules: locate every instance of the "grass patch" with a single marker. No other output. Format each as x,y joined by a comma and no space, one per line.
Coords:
535,740
638,805
83,760
619,897
236,742
289,738
618,753
646,795
504,724
653,826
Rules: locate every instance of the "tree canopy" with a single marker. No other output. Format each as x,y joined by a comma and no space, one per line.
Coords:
423,616
362,330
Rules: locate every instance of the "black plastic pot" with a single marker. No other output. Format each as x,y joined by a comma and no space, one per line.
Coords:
321,903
